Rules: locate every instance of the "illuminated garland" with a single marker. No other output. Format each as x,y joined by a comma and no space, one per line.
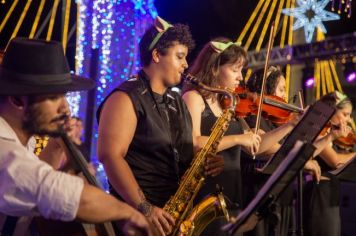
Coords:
347,4
113,28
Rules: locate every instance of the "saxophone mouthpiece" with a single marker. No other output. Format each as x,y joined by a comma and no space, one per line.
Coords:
191,79
194,80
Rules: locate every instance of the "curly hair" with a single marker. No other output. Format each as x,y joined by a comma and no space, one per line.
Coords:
179,33
208,62
254,83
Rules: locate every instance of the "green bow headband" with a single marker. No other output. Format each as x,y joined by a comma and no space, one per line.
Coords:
340,97
162,26
219,47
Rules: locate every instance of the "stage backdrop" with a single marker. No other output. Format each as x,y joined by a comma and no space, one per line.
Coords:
107,51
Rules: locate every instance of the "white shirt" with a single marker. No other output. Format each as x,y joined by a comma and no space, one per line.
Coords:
29,186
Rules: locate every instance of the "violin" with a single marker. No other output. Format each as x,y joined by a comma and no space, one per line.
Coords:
346,143
273,108
58,228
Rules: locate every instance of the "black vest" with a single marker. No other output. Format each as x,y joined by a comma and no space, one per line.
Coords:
162,147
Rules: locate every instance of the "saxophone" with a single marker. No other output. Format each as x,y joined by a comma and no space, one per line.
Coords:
192,221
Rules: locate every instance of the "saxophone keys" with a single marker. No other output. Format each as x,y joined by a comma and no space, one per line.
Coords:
181,207
186,228
175,215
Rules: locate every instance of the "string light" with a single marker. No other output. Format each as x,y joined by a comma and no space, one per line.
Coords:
347,7
113,28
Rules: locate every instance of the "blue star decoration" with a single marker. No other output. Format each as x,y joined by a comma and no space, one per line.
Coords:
310,14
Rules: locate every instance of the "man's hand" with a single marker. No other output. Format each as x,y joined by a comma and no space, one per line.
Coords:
136,224
214,165
162,222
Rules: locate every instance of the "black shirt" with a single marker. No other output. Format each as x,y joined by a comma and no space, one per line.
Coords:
230,178
162,147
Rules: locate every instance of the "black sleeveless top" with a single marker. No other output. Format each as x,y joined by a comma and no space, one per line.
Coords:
230,178
162,147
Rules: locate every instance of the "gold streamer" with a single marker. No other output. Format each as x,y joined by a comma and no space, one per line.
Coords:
259,20
66,25
278,16
37,19
323,82
284,26
290,42
51,22
329,75
337,81
8,14
250,20
264,29
22,17
317,79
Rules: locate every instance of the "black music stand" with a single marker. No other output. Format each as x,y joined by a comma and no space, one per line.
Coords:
307,130
276,183
346,172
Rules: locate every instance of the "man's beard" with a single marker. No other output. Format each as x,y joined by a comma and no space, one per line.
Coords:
33,124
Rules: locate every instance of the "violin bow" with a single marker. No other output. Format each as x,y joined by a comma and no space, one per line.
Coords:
269,48
301,99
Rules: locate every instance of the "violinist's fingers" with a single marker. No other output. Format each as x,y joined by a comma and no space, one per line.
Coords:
259,139
255,147
260,132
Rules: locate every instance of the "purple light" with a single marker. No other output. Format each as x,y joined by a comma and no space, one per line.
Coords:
351,77
309,82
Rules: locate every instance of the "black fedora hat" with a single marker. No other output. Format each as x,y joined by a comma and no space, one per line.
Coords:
32,66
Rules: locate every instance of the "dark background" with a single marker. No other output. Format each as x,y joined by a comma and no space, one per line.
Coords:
207,19
212,18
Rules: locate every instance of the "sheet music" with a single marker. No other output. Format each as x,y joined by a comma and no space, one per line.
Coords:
307,130
346,172
340,169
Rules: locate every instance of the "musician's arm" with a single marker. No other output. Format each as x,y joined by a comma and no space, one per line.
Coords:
96,206
269,140
196,106
321,143
334,159
116,130
53,194
117,127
